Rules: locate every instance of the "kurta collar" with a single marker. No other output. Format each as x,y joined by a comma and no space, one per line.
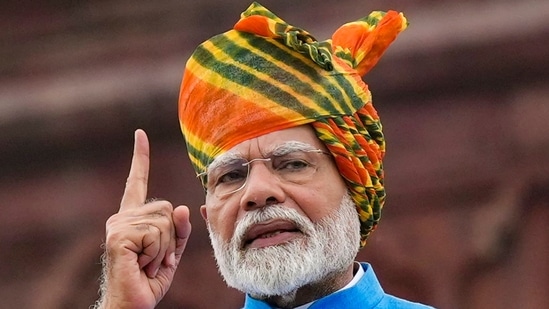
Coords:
367,293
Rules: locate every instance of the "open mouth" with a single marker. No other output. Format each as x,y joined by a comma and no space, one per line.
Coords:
271,233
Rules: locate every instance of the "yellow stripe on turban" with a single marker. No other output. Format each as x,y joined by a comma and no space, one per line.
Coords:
265,75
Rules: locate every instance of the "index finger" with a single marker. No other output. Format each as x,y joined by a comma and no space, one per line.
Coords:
135,192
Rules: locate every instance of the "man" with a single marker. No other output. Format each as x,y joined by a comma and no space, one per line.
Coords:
282,133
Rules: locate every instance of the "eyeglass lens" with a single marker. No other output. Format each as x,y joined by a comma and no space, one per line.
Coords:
296,167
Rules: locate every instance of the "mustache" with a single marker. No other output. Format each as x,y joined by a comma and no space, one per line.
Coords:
271,212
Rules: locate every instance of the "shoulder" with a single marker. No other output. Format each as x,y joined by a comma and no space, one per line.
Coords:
387,301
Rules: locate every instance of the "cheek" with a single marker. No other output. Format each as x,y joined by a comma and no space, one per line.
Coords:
222,218
318,202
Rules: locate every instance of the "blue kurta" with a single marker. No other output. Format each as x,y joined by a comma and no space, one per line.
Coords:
365,294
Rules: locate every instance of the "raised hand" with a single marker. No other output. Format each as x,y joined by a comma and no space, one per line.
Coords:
144,241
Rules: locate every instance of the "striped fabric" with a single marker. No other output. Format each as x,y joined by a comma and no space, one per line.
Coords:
265,75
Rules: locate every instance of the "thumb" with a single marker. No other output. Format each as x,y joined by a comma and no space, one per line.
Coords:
182,225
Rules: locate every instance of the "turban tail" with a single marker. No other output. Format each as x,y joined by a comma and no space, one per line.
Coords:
265,75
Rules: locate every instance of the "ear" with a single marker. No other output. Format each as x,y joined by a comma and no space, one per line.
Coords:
204,212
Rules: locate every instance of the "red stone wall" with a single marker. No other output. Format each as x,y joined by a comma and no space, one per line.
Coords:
466,119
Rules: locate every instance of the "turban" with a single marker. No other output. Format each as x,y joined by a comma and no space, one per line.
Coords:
265,75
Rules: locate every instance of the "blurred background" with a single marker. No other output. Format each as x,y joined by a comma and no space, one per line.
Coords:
463,95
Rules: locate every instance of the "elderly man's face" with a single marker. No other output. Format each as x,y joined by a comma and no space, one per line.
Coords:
288,213
314,198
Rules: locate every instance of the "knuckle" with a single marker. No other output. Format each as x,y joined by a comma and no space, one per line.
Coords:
150,222
160,203
112,223
162,222
161,208
114,238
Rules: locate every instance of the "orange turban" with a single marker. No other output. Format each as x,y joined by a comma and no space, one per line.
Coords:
265,75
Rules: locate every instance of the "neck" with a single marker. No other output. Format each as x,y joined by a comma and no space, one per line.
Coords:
312,291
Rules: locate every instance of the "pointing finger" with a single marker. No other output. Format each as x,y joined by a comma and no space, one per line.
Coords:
135,192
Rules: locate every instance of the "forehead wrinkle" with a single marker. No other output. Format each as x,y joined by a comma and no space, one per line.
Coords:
291,146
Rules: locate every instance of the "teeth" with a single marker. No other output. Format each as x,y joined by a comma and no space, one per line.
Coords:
270,234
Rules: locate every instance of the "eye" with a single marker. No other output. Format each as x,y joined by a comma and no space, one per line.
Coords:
295,164
230,174
290,163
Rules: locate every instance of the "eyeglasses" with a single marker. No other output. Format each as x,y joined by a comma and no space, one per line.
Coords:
296,166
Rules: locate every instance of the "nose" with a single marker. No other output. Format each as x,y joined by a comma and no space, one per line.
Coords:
263,188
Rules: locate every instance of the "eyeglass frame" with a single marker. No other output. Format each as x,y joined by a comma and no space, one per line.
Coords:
248,165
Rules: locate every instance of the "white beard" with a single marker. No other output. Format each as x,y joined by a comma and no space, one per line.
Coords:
327,247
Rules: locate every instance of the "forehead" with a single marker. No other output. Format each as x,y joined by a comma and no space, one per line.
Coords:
265,144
